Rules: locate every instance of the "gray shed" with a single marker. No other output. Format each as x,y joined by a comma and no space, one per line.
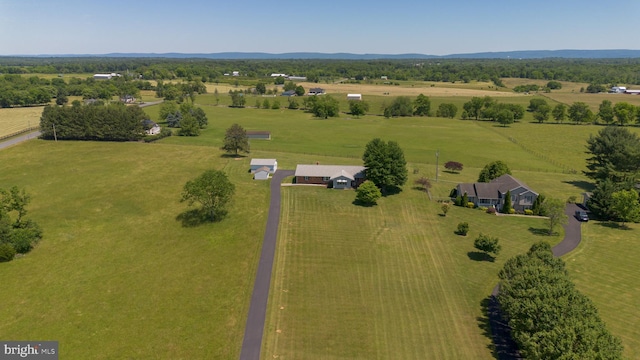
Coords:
271,164
261,174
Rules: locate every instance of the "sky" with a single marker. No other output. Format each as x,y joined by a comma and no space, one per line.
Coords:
35,27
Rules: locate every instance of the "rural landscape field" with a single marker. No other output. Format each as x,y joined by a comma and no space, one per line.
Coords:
122,273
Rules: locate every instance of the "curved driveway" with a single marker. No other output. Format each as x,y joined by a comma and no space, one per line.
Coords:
505,347
258,307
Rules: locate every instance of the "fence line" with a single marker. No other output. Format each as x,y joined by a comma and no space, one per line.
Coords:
20,132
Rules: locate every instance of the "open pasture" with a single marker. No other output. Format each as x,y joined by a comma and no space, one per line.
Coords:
116,274
15,120
604,267
593,100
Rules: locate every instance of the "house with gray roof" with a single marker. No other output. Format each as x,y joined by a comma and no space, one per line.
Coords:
335,176
492,194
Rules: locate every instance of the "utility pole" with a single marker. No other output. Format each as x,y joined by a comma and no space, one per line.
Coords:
54,133
437,157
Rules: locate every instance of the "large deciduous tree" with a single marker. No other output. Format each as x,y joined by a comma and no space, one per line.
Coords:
422,106
358,108
473,107
447,110
625,205
559,112
579,112
212,190
235,140
493,170
385,164
401,106
605,111
324,106
624,112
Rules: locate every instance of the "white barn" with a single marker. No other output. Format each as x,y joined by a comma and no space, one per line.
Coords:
357,97
257,164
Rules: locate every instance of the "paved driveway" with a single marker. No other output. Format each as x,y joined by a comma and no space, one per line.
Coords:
254,329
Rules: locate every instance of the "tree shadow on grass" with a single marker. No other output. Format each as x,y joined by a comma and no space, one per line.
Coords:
196,217
363,204
480,256
614,225
392,190
419,188
584,185
538,231
496,328
233,156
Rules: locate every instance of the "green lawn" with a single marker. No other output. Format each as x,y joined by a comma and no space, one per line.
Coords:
116,274
605,268
390,282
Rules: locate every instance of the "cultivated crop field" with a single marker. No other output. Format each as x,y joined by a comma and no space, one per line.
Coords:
15,120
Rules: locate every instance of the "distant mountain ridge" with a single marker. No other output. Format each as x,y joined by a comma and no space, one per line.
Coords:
524,54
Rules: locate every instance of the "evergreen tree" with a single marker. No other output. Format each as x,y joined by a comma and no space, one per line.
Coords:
506,208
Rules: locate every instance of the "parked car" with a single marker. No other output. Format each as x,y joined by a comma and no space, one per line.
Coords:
582,215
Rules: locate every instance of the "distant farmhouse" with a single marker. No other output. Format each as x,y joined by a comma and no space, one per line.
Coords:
492,194
335,176
150,127
288,93
128,99
316,91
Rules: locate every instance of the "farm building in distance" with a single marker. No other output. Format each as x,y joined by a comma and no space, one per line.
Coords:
150,127
335,176
104,76
356,97
297,78
259,135
316,91
288,93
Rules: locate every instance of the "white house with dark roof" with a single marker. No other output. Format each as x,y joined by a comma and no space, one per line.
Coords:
493,193
257,164
335,176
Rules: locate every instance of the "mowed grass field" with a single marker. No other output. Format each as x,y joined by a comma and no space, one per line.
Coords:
116,274
386,282
14,120
605,267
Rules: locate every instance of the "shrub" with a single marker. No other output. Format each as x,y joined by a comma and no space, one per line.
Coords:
512,211
572,199
463,229
482,208
458,201
491,210
471,205
7,252
368,193
528,212
445,208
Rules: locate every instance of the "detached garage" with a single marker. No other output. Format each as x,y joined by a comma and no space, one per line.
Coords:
270,164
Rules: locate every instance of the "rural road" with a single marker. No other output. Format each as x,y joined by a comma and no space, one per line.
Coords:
254,328
505,347
19,139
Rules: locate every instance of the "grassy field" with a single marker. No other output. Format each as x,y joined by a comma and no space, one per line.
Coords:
14,120
387,282
604,267
117,275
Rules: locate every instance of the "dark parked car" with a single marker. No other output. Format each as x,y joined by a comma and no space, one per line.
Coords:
582,215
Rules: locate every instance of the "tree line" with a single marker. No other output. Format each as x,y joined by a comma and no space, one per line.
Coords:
112,122
592,71
548,316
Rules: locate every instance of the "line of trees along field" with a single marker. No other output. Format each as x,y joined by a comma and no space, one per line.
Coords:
549,318
113,122
593,71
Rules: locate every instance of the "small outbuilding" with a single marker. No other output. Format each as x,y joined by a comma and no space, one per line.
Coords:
259,135
261,173
316,91
356,97
150,127
270,164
